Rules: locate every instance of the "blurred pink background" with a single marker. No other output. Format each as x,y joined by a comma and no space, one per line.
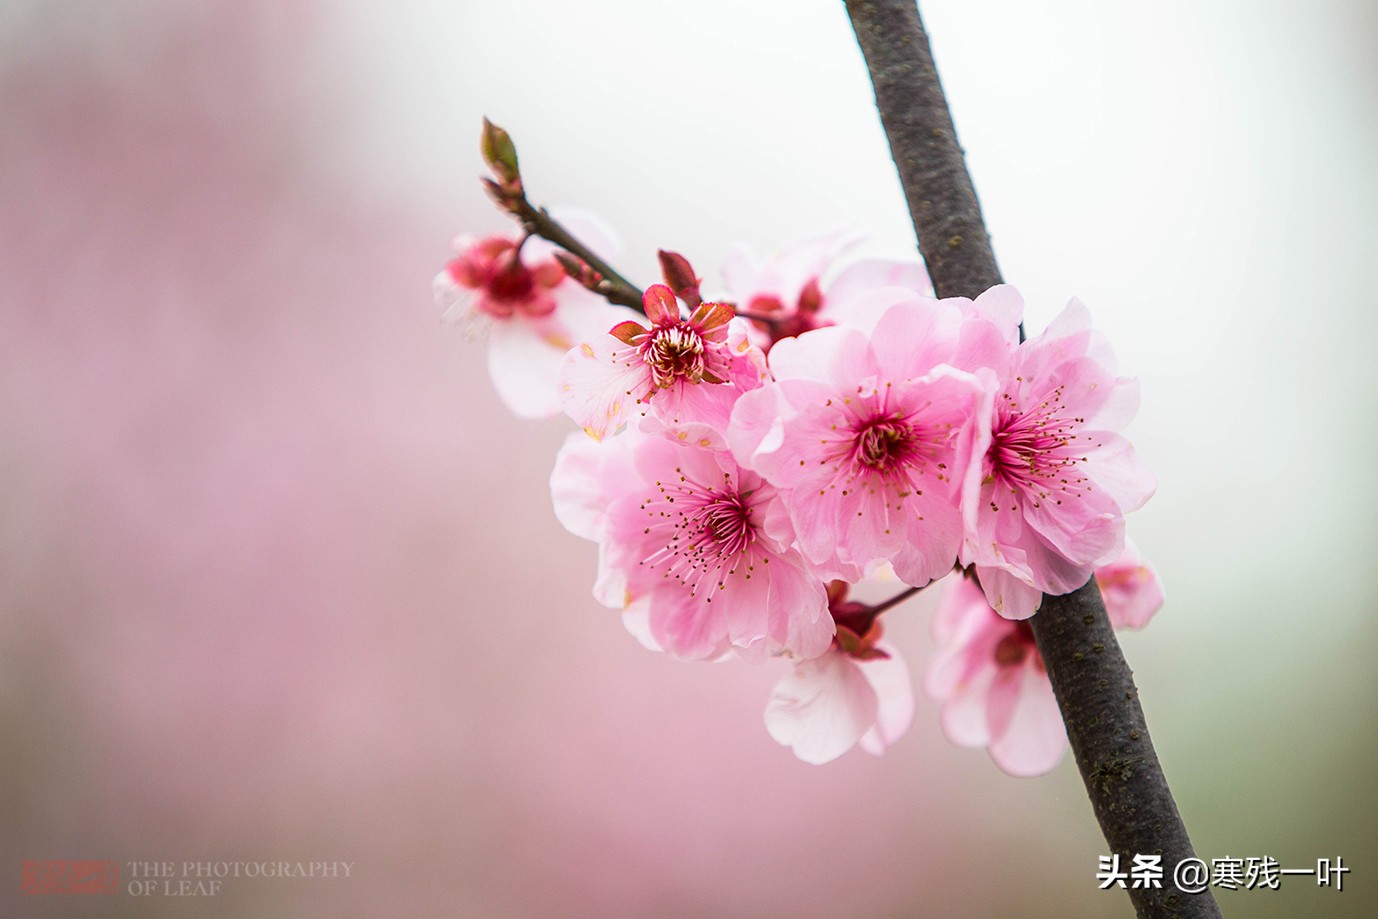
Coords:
279,578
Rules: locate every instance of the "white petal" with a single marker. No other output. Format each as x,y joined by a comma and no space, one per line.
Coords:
889,677
456,302
636,617
595,389
741,270
579,503
821,708
524,366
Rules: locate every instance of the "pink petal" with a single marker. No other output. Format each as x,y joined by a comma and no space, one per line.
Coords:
1118,409
1002,305
1121,472
660,305
740,268
1036,739
695,403
1071,539
610,586
598,385
1002,697
756,428
1132,590
821,708
889,677
915,336
798,607
828,355
871,273
637,620
574,485
687,627
1008,594
963,716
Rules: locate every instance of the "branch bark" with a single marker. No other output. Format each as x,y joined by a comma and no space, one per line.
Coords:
1093,683
615,288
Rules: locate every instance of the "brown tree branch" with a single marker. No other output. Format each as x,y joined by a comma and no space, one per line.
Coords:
614,287
1094,686
508,192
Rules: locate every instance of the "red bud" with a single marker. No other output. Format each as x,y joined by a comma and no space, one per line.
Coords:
578,269
679,274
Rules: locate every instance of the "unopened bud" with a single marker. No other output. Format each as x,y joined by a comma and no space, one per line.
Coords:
679,275
500,154
505,197
579,270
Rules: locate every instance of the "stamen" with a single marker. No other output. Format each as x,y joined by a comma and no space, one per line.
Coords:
674,352
709,534
1035,454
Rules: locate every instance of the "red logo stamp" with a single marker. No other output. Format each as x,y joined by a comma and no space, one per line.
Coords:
70,877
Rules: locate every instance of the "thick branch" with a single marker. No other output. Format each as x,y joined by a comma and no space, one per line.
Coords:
1093,684
1105,724
923,144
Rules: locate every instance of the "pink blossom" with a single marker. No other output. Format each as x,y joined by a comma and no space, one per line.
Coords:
824,706
990,678
687,370
809,285
869,438
1132,590
699,549
1046,503
533,313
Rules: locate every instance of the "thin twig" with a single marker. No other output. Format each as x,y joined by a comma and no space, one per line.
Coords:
613,286
896,600
1094,686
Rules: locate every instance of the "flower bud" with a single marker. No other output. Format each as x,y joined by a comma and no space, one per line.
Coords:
679,274
501,155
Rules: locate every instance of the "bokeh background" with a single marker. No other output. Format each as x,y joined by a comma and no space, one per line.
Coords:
279,577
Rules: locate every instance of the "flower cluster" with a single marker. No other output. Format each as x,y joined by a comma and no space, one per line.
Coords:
821,421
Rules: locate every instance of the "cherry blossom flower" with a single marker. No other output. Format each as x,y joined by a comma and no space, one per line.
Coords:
699,549
858,692
869,438
1046,503
533,313
989,676
1131,589
810,284
825,706
687,370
